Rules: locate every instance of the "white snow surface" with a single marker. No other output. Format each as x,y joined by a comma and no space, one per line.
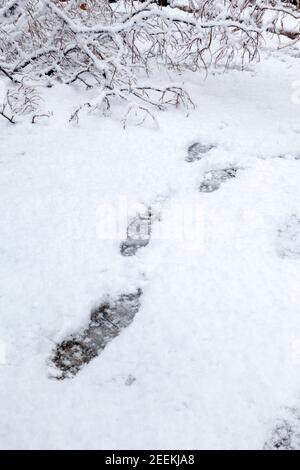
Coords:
215,346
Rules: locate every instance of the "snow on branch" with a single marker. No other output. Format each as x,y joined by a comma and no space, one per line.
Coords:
113,46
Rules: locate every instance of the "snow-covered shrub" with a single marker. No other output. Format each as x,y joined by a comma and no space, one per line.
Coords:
113,46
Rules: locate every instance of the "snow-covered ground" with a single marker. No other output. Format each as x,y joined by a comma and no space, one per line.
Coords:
212,358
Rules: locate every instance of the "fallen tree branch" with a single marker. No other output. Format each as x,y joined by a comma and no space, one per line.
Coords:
113,47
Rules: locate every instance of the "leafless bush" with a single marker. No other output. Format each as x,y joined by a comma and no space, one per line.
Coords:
113,47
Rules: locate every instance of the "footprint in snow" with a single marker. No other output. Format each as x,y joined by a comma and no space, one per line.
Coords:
139,232
197,151
286,434
214,178
106,322
288,242
282,438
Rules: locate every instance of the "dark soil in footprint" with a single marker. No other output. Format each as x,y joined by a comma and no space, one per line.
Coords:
106,322
213,179
197,151
138,234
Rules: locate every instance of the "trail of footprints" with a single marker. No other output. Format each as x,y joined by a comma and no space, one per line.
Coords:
114,314
109,318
